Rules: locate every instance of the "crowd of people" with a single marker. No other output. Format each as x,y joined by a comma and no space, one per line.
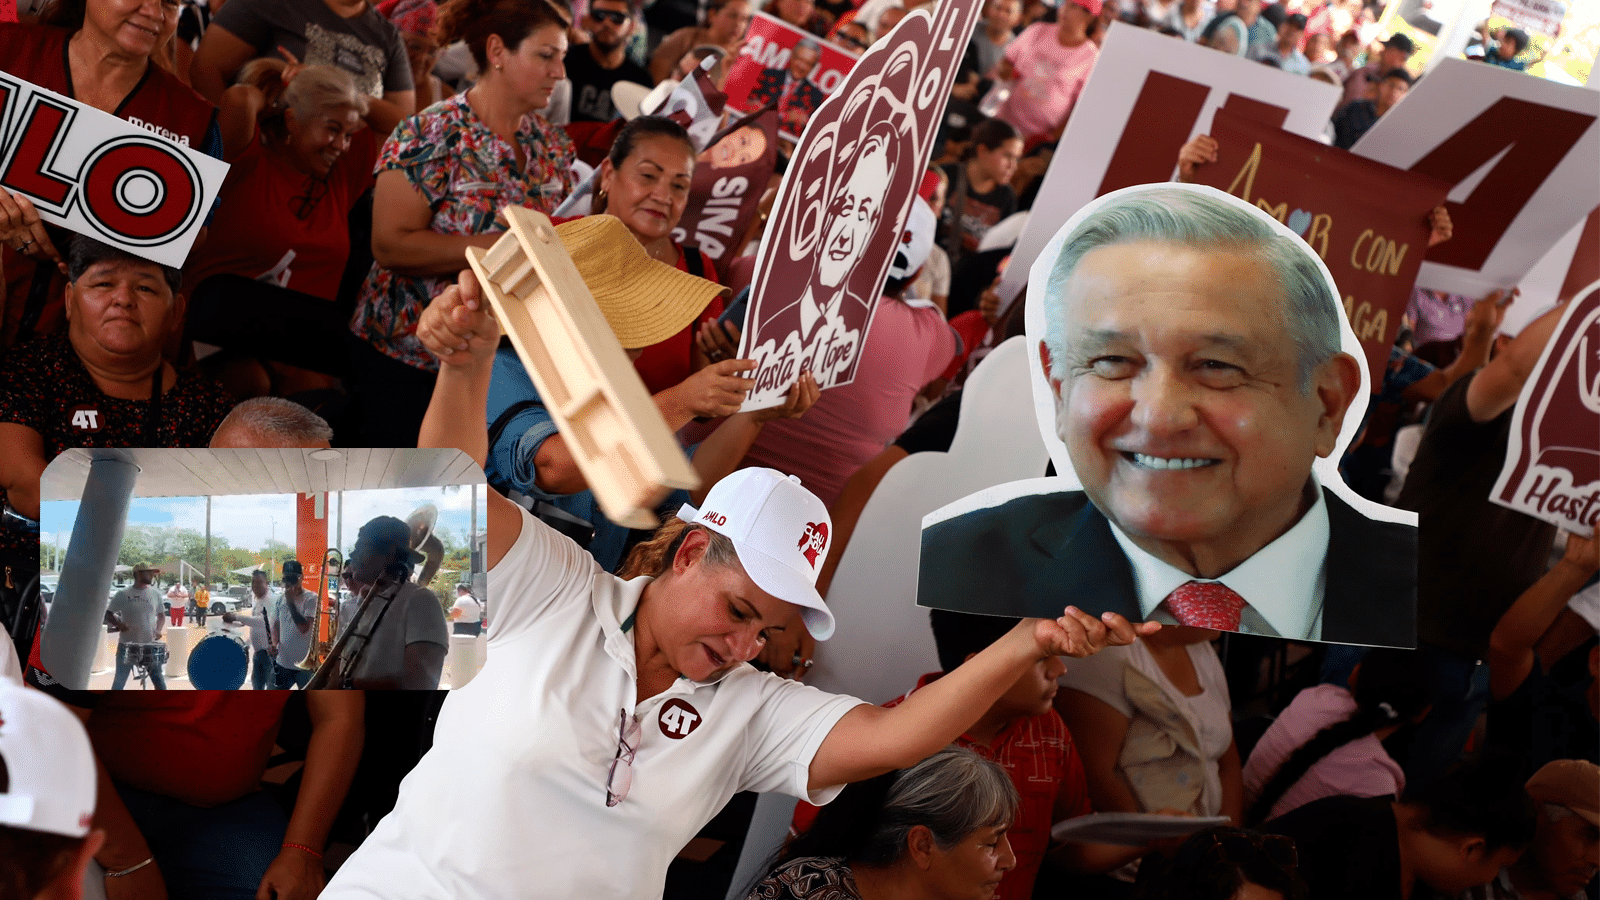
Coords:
371,144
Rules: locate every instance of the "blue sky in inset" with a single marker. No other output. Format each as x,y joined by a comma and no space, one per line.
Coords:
246,520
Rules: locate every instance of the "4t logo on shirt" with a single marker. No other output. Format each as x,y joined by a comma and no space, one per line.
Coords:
678,719
86,418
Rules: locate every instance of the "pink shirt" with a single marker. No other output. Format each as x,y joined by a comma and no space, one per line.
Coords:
907,346
1361,768
1048,81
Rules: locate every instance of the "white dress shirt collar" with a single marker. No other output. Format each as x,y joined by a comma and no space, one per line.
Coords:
1283,582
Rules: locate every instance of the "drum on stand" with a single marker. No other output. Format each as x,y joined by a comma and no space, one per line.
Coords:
219,662
152,656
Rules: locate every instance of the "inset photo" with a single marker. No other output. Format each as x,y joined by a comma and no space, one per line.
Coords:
262,569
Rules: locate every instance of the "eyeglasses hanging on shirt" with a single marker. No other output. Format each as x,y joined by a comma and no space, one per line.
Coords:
621,777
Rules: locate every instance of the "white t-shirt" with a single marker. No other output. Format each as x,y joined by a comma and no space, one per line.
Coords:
413,617
471,609
1100,676
347,613
292,642
541,723
138,608
260,609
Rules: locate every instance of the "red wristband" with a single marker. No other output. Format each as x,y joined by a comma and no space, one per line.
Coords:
303,847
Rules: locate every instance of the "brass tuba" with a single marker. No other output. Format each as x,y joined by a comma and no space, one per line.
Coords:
338,666
327,621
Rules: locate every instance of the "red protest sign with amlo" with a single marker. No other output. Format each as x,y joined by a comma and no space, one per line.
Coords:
1552,469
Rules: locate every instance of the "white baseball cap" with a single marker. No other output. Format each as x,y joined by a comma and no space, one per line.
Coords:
916,241
781,532
48,761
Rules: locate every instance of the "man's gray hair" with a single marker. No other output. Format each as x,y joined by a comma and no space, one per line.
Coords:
952,793
284,422
1191,219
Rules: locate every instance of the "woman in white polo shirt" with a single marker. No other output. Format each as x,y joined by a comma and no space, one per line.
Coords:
614,718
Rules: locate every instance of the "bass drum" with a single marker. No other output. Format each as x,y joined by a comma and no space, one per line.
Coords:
219,662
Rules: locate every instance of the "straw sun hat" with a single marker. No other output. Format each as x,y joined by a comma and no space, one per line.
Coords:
644,300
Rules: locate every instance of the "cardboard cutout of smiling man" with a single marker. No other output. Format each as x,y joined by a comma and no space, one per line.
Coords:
1200,381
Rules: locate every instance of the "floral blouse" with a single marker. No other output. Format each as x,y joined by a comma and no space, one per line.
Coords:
467,173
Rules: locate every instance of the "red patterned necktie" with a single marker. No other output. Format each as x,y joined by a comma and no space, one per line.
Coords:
1206,604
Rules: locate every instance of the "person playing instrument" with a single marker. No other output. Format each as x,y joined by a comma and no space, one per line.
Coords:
292,618
397,643
623,712
135,614
466,616
261,648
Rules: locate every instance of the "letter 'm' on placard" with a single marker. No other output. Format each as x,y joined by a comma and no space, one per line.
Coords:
1522,155
1538,136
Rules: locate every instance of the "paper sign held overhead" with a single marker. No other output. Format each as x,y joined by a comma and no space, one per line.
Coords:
841,209
1542,16
617,436
1552,469
98,175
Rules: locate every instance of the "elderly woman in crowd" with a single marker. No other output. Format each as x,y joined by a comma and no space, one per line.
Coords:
443,176
111,55
1152,722
725,24
937,829
345,33
104,383
300,157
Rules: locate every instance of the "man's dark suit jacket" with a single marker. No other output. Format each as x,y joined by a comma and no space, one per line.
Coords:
769,86
1034,555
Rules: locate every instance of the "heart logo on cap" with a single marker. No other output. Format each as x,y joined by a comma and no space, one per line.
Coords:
814,542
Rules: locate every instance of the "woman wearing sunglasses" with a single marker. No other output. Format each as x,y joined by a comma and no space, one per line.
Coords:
615,718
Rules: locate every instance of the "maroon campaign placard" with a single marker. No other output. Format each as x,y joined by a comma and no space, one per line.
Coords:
1552,469
769,72
729,179
1368,221
842,206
